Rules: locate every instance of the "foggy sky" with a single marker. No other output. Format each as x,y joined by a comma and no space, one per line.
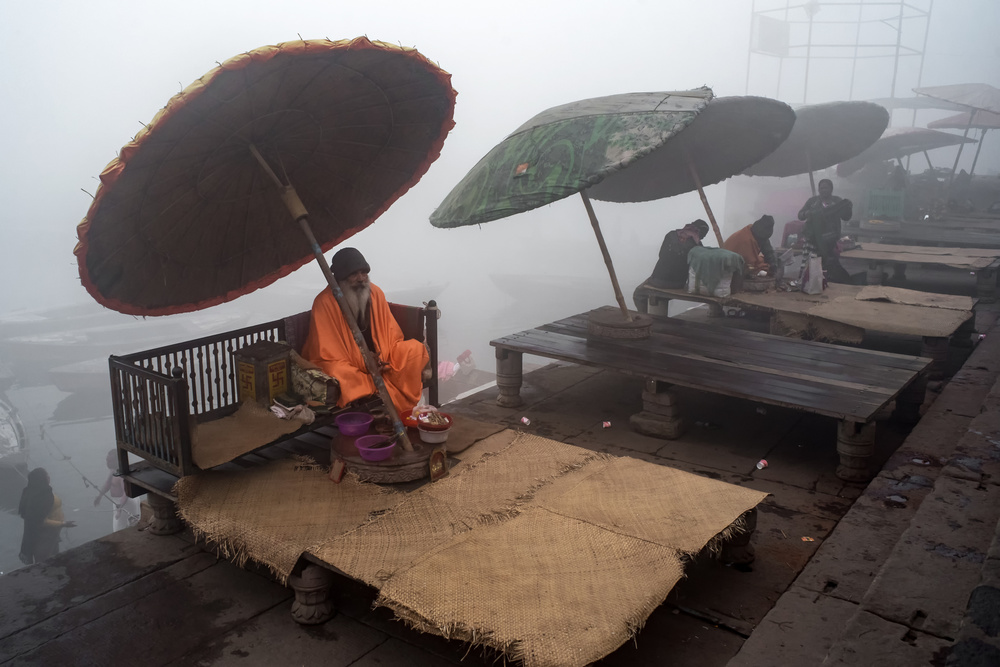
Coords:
80,78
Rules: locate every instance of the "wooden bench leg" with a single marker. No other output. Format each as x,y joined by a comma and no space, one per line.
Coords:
509,378
908,402
165,520
312,604
855,444
986,285
936,348
660,416
738,549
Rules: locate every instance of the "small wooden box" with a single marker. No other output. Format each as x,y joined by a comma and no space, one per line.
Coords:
262,372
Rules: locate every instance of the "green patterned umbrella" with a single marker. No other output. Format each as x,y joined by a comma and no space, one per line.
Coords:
671,143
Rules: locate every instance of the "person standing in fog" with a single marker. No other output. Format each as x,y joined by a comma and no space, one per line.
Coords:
43,518
127,509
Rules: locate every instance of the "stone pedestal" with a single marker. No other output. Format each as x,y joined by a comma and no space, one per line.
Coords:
312,604
936,348
509,378
738,549
908,402
165,520
660,416
855,444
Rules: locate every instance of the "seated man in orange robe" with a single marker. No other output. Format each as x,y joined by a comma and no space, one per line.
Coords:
331,345
753,243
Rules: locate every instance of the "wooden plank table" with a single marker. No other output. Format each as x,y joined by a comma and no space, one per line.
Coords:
929,233
983,262
847,384
843,313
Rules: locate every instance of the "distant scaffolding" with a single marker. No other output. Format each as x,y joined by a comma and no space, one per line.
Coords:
812,52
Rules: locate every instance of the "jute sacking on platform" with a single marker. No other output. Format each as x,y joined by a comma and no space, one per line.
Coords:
251,426
272,514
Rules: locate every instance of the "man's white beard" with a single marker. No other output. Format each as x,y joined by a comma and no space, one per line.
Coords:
357,299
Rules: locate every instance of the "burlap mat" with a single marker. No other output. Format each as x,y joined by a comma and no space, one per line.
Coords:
250,427
273,513
553,554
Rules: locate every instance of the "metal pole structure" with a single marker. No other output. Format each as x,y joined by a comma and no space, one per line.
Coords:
753,13
607,256
854,59
299,213
923,49
809,37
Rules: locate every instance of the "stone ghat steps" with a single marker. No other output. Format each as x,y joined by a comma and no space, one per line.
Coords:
911,574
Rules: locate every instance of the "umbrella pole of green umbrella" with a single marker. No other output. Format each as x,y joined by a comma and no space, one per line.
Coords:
299,213
607,256
704,201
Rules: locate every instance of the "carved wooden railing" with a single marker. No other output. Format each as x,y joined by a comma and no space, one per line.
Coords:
158,394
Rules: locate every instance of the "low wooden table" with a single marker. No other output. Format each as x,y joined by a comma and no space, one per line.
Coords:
849,384
983,262
838,315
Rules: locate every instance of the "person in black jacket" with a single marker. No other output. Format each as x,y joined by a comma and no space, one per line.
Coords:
823,214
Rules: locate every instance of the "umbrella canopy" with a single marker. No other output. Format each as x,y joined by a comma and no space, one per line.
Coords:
975,95
916,103
624,148
565,150
729,135
824,135
186,218
980,120
898,142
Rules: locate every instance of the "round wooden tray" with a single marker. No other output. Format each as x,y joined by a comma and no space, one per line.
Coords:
610,323
402,466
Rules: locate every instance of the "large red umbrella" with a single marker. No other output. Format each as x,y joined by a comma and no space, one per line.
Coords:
268,161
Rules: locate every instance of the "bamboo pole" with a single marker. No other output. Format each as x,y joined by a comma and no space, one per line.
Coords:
607,256
704,201
951,179
982,135
812,180
299,213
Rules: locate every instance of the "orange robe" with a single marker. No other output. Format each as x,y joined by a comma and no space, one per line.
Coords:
744,244
331,346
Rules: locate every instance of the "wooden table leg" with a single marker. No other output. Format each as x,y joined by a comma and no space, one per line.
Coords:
855,444
312,604
899,272
509,378
165,520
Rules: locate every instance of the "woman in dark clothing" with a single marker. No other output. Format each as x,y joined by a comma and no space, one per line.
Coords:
43,518
36,503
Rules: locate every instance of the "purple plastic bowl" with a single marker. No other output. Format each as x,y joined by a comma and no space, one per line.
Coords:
353,423
369,452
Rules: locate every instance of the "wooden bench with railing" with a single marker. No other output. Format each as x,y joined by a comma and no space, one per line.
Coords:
158,395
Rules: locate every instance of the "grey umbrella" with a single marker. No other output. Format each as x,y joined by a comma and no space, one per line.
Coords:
824,135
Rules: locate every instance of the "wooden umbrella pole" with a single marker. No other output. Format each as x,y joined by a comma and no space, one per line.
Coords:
704,201
607,256
812,181
982,135
299,213
951,179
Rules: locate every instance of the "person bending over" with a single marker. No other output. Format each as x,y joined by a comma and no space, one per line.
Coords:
753,244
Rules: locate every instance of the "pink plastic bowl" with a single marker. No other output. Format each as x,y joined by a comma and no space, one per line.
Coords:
366,445
353,423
